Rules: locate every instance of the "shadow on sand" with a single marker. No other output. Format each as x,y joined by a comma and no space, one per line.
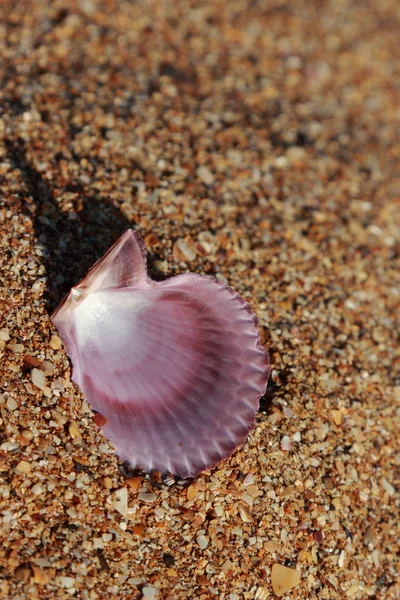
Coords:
70,242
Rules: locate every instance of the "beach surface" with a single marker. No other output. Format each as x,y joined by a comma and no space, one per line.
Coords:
255,141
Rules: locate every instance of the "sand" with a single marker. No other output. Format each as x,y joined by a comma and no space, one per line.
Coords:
254,141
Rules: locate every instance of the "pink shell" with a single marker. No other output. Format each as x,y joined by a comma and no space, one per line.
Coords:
175,367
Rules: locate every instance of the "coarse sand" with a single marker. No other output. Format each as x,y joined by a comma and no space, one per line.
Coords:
256,141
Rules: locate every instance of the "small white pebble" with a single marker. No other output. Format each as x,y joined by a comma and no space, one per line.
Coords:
296,437
11,404
149,592
281,162
4,335
67,582
205,175
202,541
342,556
286,444
287,412
387,487
38,378
147,497
249,479
9,446
120,501
37,489
262,593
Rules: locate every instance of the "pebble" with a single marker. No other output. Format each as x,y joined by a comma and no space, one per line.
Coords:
67,582
248,480
4,335
147,497
283,579
11,404
149,592
184,251
31,361
205,175
42,576
388,487
37,489
74,430
120,501
38,378
9,446
202,541
191,492
262,593
23,467
55,342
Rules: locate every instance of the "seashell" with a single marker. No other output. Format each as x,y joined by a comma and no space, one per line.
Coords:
175,368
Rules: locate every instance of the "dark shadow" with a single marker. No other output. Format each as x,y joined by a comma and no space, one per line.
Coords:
70,241
275,386
266,399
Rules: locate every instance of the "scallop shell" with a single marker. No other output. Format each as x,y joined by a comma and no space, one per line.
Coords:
176,368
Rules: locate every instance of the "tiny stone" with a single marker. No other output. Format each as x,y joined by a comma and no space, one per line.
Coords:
202,541
71,511
22,574
205,175
4,335
149,592
286,444
337,416
271,546
281,162
147,497
23,467
120,501
37,489
107,483
11,404
191,492
184,250
42,576
38,378
387,487
261,593
47,367
31,361
67,582
17,348
370,537
283,579
74,431
9,446
249,479
342,556
244,514
134,483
